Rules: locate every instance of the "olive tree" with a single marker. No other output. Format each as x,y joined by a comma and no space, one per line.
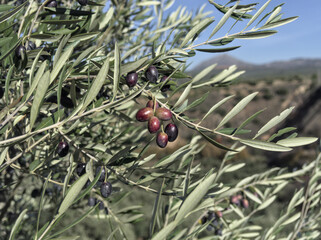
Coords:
77,81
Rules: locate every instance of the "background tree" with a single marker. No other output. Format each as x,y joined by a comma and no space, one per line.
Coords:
76,81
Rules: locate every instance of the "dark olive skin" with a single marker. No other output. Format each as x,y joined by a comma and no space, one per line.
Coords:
210,228
20,50
152,74
1,92
131,79
162,139
82,2
163,114
153,125
81,169
31,45
172,131
150,104
63,148
66,102
144,114
102,175
203,220
218,232
106,189
211,215
166,87
52,3
35,193
91,201
101,204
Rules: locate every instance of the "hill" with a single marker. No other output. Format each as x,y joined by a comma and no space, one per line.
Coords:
290,68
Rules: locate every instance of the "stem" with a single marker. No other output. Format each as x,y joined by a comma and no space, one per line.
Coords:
24,17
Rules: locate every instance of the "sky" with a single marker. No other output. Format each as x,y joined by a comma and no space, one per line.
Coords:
301,38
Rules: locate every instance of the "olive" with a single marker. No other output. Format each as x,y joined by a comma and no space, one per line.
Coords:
172,131
63,148
106,189
150,104
144,114
166,87
163,114
131,79
153,124
151,74
162,139
81,169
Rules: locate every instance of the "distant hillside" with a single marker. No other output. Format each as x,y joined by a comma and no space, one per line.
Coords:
299,66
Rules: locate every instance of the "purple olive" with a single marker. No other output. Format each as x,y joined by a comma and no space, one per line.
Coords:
151,74
163,114
62,149
131,79
144,114
166,87
153,124
106,189
172,131
101,204
162,139
103,173
150,104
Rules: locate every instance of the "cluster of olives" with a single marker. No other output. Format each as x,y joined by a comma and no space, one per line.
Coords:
151,75
154,115
239,200
93,201
214,222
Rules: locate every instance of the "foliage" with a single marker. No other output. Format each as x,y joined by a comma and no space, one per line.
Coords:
63,72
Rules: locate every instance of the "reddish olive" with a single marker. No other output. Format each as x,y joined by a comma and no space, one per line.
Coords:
150,104
144,114
162,139
151,74
131,79
163,114
172,131
62,149
153,124
245,203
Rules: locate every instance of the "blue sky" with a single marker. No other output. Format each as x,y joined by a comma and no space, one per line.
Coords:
301,38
